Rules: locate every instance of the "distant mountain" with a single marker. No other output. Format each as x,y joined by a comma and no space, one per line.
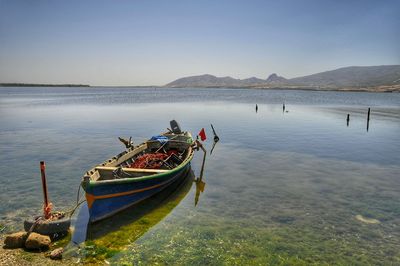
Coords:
353,77
213,81
204,81
274,78
251,81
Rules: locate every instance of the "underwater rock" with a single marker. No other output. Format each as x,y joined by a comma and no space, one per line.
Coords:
283,219
15,240
367,220
37,241
56,254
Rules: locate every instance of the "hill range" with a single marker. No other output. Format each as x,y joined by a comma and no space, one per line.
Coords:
355,78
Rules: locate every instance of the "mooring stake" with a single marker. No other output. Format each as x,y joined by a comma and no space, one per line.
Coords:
47,205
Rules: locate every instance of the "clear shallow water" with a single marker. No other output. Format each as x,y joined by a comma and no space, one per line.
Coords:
280,187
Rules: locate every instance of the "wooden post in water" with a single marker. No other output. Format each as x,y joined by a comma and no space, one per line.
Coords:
369,112
256,108
283,108
348,119
46,210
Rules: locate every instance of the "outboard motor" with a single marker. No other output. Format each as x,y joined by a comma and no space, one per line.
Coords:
176,129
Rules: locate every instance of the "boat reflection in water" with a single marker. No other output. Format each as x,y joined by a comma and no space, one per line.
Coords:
125,227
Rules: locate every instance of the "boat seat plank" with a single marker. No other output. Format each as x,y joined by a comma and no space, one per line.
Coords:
131,170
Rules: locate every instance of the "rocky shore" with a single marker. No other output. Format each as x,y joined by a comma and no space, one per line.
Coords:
23,257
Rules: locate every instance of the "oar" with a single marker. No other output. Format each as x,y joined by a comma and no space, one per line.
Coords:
199,188
199,181
213,146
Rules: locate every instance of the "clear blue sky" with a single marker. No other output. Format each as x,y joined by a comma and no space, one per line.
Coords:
154,42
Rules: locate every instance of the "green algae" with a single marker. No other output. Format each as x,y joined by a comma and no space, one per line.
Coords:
2,228
61,241
277,223
231,245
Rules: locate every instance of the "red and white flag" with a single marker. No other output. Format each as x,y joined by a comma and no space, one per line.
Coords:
202,134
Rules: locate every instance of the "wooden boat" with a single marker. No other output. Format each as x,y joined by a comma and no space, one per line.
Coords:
118,183
129,218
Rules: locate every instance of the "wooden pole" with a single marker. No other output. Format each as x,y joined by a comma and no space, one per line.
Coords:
348,119
199,181
204,158
44,186
369,112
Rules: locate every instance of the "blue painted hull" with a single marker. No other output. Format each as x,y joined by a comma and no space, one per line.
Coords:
107,198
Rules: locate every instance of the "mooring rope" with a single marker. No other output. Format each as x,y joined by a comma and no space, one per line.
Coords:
77,204
37,221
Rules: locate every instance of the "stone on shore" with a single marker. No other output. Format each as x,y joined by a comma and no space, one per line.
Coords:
56,254
37,241
15,240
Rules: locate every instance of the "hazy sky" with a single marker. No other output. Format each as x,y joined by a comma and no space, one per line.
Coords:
154,42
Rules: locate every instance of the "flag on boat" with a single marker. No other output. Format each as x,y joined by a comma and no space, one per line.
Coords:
202,134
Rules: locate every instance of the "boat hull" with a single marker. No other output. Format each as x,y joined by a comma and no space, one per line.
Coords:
107,198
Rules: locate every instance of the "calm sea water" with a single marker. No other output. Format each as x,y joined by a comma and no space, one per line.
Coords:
280,187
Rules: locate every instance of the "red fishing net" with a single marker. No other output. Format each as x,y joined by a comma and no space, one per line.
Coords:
149,161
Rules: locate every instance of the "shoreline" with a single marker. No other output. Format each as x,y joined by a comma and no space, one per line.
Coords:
375,89
22,257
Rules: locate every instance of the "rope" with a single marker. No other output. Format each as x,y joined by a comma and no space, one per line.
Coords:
77,205
162,146
37,221
77,194
116,173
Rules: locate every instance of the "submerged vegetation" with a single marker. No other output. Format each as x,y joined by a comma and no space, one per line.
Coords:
286,227
205,241
112,236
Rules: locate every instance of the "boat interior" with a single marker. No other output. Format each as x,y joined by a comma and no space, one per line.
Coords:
153,156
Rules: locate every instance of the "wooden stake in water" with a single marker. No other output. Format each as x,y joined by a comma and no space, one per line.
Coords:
348,119
369,112
47,206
